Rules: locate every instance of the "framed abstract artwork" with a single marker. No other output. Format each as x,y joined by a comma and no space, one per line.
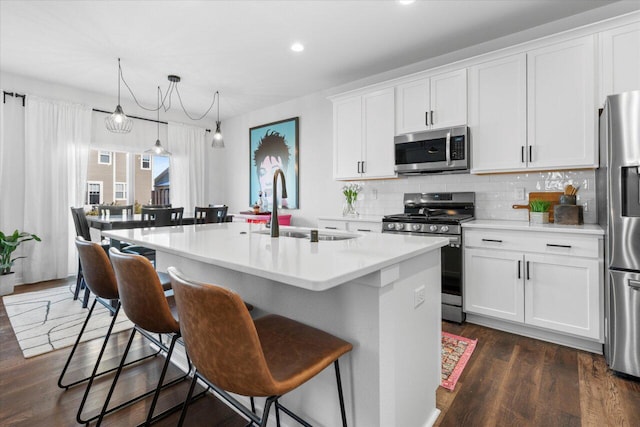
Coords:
274,146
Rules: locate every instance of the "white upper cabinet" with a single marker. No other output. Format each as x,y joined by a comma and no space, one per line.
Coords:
363,128
562,111
535,110
498,114
620,49
432,102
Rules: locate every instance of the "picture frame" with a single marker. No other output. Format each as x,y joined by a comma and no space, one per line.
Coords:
271,146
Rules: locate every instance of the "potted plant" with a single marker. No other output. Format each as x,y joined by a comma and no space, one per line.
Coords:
539,211
8,244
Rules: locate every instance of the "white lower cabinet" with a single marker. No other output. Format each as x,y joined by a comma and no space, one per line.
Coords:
545,280
350,225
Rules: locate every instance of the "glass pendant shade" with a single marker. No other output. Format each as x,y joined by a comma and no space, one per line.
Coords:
158,149
218,141
118,122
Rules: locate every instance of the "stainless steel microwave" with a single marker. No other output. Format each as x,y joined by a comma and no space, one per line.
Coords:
443,150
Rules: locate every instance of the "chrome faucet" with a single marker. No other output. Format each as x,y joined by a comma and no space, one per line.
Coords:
275,229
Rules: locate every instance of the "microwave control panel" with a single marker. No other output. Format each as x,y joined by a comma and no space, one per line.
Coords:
457,148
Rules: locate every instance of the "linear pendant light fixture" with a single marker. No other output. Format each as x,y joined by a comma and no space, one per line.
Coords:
118,122
158,149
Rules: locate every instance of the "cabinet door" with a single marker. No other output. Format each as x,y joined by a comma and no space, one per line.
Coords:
563,294
378,131
493,284
561,105
620,60
449,99
498,114
347,138
412,112
332,224
364,226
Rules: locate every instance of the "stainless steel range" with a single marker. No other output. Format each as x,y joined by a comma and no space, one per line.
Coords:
439,214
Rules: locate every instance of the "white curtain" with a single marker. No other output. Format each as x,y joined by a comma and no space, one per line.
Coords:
186,175
57,136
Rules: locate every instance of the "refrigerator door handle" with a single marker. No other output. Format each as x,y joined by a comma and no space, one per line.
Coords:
634,284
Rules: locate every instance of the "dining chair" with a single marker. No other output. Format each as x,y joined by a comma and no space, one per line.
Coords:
101,280
232,353
82,230
210,215
152,313
116,209
160,217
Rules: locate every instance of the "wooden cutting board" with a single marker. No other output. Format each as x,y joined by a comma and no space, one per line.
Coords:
551,196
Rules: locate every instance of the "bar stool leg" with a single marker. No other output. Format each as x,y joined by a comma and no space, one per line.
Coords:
183,415
174,339
340,395
73,350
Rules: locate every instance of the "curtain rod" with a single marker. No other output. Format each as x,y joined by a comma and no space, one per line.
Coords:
139,118
17,95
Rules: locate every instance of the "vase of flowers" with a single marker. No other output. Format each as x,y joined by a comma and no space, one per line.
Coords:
350,192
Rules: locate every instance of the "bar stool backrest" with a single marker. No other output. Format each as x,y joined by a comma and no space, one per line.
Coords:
141,293
220,337
97,270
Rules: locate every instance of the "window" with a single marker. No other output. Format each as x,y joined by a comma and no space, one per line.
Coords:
94,193
121,191
145,162
104,157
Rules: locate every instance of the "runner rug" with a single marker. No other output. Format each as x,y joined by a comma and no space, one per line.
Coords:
456,351
47,320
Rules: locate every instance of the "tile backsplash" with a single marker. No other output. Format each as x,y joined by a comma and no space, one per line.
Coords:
495,194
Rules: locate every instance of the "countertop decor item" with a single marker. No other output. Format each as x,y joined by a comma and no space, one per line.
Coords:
553,197
350,192
539,211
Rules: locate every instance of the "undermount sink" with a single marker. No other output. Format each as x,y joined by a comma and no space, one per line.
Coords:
297,234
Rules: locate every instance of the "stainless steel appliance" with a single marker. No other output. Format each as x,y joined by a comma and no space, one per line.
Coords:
439,214
619,179
445,150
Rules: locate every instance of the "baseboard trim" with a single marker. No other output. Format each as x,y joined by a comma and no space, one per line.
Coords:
531,332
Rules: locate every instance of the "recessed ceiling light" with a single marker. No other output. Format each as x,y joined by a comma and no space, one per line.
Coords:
405,2
297,47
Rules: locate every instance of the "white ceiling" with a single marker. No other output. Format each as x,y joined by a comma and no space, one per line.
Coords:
241,48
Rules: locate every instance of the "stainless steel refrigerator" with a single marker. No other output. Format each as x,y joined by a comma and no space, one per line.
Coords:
618,178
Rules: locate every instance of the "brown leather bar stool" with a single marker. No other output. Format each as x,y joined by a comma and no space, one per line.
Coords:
101,280
267,357
152,312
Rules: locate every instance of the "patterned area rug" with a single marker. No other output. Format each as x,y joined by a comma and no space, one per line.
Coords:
456,351
47,320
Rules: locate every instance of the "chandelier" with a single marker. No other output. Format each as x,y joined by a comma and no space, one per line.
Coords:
118,122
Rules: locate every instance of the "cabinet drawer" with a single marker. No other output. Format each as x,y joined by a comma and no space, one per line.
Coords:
364,226
542,243
330,224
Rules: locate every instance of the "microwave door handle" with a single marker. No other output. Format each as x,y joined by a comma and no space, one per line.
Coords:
448,148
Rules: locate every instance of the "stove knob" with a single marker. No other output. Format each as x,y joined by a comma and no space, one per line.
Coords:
391,226
444,228
415,227
399,226
433,228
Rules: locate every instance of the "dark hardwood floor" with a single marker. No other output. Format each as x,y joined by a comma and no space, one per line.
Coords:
509,381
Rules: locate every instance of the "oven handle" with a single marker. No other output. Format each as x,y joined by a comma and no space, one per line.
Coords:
455,240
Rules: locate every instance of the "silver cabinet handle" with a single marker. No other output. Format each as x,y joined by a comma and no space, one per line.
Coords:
634,284
448,148
553,245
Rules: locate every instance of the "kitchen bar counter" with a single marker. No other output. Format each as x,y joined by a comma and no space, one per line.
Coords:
381,292
592,229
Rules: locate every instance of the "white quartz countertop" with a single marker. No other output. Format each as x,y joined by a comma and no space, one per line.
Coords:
361,218
294,261
593,229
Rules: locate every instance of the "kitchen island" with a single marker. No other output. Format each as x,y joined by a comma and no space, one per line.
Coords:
381,292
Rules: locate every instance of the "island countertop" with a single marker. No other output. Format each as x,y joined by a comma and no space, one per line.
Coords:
298,262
